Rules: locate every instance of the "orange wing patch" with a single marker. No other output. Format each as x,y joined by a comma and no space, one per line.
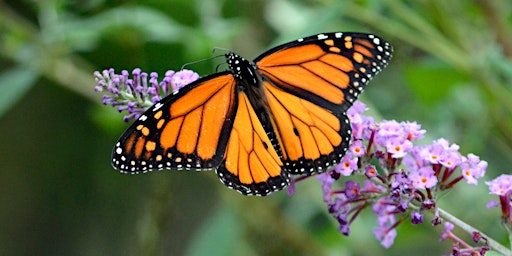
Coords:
311,137
321,73
292,56
308,81
252,165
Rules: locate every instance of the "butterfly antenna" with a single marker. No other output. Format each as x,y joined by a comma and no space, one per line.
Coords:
215,49
225,50
218,66
201,60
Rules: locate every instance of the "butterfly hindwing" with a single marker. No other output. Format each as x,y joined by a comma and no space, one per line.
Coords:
251,164
188,130
312,138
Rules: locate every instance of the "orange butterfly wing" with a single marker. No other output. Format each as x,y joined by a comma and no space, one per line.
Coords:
183,131
309,84
312,138
252,165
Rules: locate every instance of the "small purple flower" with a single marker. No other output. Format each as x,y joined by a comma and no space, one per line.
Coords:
385,235
451,159
472,169
416,217
326,180
347,165
354,112
476,236
398,147
340,205
370,171
352,189
432,154
413,131
448,227
357,148
166,82
501,185
344,227
423,178
446,144
492,204
415,160
383,206
428,204
182,78
370,187
387,130
361,124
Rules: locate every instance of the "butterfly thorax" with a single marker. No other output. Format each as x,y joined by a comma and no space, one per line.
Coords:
243,70
248,80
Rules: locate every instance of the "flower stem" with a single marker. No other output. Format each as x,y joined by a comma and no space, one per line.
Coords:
469,229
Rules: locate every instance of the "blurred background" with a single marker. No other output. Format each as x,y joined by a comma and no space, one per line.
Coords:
451,72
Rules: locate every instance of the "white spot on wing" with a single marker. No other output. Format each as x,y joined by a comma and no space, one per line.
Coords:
322,36
157,106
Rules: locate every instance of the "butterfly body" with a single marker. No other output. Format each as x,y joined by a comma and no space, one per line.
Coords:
262,121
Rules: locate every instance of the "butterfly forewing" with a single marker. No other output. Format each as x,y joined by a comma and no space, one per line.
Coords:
183,131
330,69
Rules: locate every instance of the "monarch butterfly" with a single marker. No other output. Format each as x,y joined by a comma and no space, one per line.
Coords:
259,122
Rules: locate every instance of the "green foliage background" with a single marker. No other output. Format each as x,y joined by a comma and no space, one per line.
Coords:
452,72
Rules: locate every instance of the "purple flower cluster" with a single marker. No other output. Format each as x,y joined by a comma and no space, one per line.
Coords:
137,93
407,179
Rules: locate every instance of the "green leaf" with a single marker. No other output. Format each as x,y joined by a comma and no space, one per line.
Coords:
15,83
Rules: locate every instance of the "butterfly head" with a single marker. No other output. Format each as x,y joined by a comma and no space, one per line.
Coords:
242,69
